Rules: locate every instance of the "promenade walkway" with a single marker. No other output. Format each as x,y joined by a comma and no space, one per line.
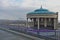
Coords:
4,35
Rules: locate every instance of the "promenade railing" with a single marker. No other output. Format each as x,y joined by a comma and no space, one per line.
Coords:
42,33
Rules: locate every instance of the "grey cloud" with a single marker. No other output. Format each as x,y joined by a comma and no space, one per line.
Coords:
14,13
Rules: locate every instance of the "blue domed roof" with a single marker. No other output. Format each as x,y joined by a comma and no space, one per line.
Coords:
41,11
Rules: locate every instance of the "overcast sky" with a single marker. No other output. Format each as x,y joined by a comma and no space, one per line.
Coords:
17,9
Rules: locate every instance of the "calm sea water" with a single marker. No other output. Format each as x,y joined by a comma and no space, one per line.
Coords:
9,36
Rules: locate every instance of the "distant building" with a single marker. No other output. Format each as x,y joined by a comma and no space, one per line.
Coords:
43,19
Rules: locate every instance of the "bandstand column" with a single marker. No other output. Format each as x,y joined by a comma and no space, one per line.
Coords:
27,23
54,23
45,22
33,22
38,23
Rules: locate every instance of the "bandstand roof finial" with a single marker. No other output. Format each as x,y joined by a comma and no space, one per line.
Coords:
41,6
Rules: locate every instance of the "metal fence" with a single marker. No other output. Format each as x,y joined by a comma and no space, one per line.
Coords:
43,33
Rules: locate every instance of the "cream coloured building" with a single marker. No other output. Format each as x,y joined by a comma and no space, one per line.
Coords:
42,19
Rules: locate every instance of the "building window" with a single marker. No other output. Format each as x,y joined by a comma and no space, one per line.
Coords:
41,19
49,19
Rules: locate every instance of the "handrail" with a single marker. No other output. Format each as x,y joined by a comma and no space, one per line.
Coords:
23,30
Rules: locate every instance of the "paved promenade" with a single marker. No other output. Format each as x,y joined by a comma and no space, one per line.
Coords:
9,36
12,35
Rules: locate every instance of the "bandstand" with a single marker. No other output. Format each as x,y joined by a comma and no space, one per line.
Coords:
42,19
